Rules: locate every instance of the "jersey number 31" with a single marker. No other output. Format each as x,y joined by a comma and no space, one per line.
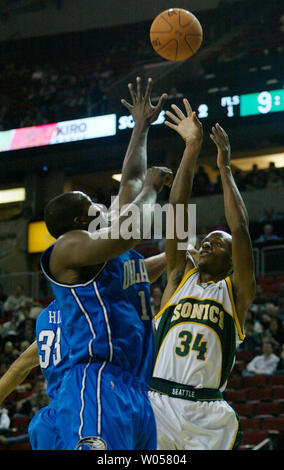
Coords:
48,346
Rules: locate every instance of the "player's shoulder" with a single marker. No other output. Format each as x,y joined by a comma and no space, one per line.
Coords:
52,306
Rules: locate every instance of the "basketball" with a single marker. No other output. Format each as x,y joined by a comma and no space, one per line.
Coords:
176,34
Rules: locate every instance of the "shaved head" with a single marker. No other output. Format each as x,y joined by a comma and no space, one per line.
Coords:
66,212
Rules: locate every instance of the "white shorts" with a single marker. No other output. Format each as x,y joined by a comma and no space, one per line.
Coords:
189,425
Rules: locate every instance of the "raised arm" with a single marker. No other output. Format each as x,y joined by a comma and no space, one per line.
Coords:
156,265
190,129
135,161
243,278
18,371
80,248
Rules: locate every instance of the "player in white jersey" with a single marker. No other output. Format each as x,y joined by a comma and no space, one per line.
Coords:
202,311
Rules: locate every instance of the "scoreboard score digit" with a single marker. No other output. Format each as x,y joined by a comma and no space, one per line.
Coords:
262,103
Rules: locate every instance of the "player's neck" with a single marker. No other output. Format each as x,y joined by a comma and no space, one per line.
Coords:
209,277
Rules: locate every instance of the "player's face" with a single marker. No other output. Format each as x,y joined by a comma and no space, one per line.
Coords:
215,252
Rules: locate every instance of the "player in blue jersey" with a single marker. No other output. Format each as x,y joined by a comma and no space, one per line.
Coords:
53,354
102,287
50,351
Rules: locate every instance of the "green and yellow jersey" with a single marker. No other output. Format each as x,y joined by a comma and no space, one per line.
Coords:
197,333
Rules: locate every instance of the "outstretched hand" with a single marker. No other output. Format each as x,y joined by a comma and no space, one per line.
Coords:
188,127
141,108
221,140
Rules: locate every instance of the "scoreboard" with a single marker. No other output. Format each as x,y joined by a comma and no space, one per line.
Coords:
263,102
216,109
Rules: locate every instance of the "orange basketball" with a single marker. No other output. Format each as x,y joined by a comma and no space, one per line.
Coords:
176,34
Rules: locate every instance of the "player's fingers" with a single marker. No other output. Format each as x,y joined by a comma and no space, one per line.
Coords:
170,124
221,131
162,101
215,133
212,138
148,89
195,118
126,104
173,117
187,107
178,111
132,92
139,92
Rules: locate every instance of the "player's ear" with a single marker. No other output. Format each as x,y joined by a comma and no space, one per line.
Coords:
80,221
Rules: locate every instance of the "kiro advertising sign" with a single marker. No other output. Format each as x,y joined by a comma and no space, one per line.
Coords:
58,133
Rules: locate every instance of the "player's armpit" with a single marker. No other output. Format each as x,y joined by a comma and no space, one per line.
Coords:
155,265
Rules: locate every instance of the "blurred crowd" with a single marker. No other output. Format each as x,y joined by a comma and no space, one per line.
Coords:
271,177
53,90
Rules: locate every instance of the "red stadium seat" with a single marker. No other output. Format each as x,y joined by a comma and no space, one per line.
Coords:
235,382
245,409
20,421
262,394
278,392
273,423
267,408
266,280
20,446
276,379
250,423
244,355
253,437
236,395
255,381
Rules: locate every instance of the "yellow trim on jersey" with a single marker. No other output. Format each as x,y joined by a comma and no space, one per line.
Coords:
182,323
236,433
185,278
236,318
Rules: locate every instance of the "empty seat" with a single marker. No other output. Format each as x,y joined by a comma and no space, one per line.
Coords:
20,446
262,394
235,382
236,395
253,437
255,380
250,423
278,392
244,355
267,408
276,379
273,423
18,421
245,409
239,366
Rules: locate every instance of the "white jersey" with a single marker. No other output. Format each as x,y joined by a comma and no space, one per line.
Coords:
197,334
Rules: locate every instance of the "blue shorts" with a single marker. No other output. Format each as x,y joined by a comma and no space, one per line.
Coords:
102,407
42,430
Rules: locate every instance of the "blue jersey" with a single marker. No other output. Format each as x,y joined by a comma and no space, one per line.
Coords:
109,318
53,350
